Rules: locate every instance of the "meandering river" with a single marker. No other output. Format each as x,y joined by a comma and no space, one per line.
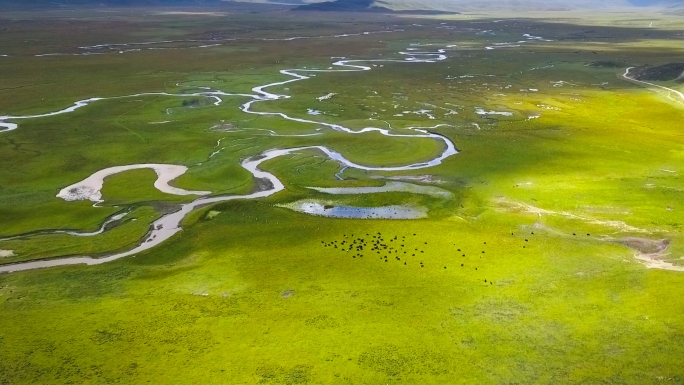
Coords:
165,227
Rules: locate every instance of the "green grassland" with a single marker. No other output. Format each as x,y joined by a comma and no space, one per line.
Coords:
519,277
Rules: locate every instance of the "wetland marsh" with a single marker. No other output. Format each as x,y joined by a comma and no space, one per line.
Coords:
340,198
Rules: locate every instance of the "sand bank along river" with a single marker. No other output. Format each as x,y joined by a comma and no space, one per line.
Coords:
90,188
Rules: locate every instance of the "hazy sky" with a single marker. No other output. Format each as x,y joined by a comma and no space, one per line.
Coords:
513,3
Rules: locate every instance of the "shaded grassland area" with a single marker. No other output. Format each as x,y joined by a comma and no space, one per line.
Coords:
521,276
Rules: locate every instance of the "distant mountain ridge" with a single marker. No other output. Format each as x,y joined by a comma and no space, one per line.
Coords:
343,6
113,3
362,6
386,6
